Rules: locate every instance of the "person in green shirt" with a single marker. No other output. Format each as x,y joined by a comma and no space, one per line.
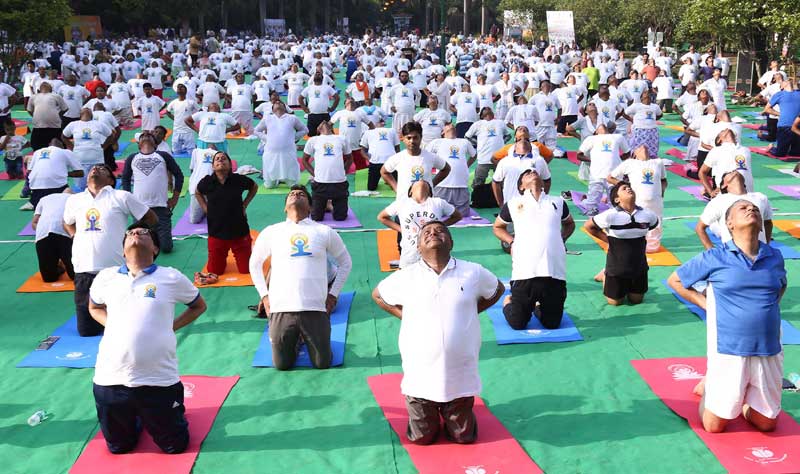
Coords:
593,74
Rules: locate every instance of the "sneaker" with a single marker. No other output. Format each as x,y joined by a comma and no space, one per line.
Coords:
26,207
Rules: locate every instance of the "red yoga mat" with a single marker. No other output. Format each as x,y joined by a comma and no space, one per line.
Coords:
764,150
740,448
203,397
494,451
572,157
680,170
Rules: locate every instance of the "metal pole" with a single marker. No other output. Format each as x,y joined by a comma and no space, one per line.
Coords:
443,38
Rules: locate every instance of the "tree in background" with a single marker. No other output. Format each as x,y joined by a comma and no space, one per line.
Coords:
24,20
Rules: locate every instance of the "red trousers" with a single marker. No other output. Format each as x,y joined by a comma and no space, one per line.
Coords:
218,254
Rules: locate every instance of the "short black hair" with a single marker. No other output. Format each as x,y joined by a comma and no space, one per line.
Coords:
147,84
298,187
151,231
410,127
612,194
435,222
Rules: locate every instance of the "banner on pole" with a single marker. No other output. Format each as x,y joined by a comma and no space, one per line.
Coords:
80,28
560,27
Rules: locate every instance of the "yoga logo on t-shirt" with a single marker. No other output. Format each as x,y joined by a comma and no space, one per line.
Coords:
208,157
491,132
86,134
316,94
300,244
467,100
150,291
93,220
328,147
649,115
351,123
548,106
454,152
605,112
212,121
404,92
647,176
383,136
416,173
763,455
741,163
45,155
606,145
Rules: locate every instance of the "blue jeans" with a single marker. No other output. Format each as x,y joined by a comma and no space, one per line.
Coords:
14,168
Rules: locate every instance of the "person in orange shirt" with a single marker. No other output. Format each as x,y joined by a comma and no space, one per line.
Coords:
521,133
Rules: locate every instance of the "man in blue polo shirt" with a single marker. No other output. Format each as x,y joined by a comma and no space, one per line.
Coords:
788,99
746,279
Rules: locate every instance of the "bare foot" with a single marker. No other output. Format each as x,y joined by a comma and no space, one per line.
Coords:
601,276
700,388
507,300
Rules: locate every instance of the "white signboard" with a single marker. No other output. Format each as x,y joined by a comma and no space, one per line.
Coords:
515,22
275,27
560,28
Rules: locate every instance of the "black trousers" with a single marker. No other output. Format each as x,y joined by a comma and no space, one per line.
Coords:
87,326
425,420
462,127
38,194
550,293
374,176
40,137
109,159
313,122
285,330
124,411
52,250
322,192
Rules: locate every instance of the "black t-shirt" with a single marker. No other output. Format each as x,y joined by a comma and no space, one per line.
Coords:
626,257
226,217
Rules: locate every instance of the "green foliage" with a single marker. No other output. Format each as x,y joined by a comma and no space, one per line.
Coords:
34,20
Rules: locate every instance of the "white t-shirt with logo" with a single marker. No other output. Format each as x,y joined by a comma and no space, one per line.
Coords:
645,178
181,110
411,169
457,152
604,152
490,138
201,165
413,215
328,152
150,110
241,97
466,104
50,166
380,144
318,98
74,96
50,210
213,125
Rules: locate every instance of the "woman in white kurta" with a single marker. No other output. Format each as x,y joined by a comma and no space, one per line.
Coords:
280,132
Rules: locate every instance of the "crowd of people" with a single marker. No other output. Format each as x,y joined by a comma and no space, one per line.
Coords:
451,114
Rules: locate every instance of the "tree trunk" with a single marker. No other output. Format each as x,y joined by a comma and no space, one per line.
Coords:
327,17
262,15
466,18
297,17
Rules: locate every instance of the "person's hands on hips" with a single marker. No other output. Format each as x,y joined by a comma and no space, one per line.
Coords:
264,305
330,303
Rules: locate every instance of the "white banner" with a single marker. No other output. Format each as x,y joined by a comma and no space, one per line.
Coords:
515,22
275,27
560,28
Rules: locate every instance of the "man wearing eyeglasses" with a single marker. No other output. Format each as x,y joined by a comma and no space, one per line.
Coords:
96,219
136,379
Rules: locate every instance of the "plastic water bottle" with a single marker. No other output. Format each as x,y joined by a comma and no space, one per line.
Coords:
37,417
794,377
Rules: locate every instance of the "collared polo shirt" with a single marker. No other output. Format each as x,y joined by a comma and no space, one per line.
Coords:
626,239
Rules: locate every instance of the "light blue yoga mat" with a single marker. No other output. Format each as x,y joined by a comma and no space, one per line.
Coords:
122,146
790,335
672,141
534,333
71,350
789,253
263,357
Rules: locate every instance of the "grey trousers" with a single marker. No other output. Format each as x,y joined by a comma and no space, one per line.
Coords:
457,197
481,173
286,331
424,420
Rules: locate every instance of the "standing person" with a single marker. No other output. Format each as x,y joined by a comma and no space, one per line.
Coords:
201,165
645,130
439,344
663,87
352,123
412,214
404,97
332,158
648,179
623,228
569,97
74,96
46,111
153,171
746,280
413,163
220,198
53,244
8,96
96,220
148,108
50,169
460,155
716,86
548,113
465,105
542,224
490,134
183,137
433,120
136,380
315,100
378,144
211,127
241,98
155,75
298,299
89,140
295,79
120,92
279,132
788,100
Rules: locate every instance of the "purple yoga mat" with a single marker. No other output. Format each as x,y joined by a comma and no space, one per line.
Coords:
696,191
468,220
184,227
349,223
791,191
27,230
578,199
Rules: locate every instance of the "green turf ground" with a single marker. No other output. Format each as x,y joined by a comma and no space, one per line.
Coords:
574,407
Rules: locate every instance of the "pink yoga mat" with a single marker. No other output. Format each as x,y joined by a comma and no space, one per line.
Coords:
495,450
578,199
572,156
468,220
791,191
203,397
184,227
349,223
696,191
680,170
764,150
740,449
681,155
751,126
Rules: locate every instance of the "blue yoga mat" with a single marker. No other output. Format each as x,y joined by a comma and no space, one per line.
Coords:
673,141
263,357
789,253
534,332
71,350
790,335
181,155
122,147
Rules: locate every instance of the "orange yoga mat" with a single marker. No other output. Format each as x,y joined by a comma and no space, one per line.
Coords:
232,277
790,227
21,131
662,258
387,248
35,284
236,136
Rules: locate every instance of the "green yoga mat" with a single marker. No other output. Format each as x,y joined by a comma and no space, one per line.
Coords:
282,189
361,184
